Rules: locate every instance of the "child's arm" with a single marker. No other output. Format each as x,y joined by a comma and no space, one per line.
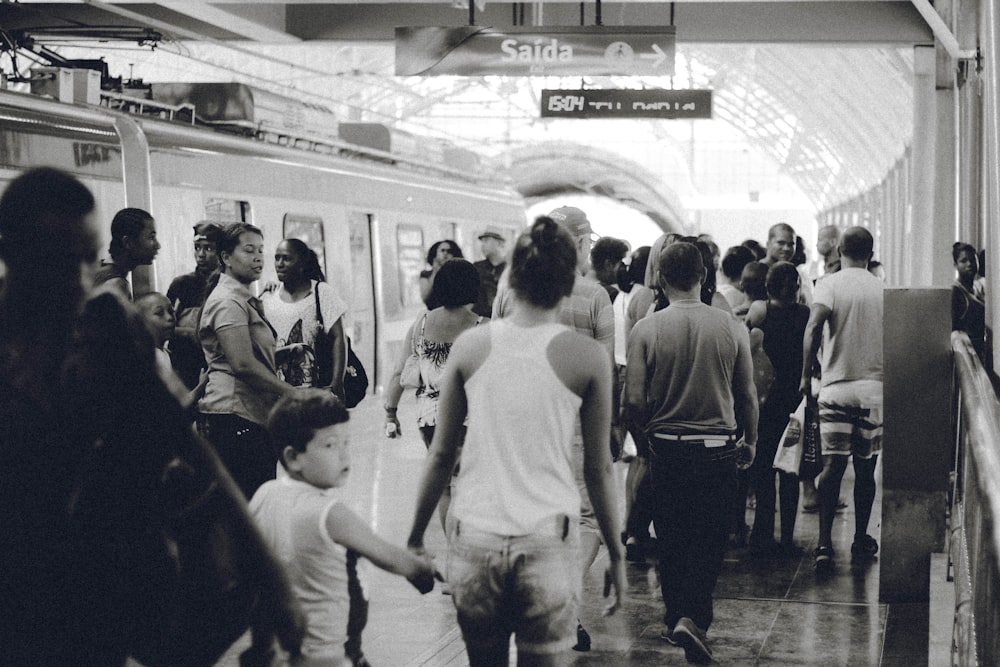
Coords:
192,396
348,530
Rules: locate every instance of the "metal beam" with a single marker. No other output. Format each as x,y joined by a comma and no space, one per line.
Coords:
241,25
942,32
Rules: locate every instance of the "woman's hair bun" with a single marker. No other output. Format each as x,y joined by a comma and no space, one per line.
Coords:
544,231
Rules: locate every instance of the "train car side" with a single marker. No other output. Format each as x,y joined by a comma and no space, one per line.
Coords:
371,222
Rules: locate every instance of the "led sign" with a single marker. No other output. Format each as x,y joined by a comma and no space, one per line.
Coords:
626,103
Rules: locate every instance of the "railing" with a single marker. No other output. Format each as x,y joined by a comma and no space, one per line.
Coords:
975,511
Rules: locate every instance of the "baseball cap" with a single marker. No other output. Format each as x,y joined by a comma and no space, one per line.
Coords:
490,234
573,220
208,231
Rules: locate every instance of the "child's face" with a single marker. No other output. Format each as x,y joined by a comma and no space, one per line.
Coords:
326,461
159,317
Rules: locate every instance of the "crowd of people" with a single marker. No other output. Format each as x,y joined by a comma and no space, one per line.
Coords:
709,354
680,361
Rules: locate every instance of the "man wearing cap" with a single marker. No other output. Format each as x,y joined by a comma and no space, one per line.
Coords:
490,269
688,382
586,310
187,295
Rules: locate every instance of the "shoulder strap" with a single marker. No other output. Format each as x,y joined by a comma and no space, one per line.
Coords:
319,313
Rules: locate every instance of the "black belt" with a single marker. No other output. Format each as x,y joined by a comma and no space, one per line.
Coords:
708,440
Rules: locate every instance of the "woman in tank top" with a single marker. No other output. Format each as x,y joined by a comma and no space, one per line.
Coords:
521,382
783,321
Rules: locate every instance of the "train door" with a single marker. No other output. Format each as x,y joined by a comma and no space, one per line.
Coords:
361,301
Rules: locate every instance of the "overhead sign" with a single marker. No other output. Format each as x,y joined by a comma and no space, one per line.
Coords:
583,51
626,103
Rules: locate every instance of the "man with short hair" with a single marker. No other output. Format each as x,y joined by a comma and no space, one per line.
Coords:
827,240
781,248
586,310
133,244
846,317
689,385
490,268
606,257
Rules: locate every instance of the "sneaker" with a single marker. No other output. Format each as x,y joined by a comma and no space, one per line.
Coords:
692,639
824,560
667,635
582,639
864,548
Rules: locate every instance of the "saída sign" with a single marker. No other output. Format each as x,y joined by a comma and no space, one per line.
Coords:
583,51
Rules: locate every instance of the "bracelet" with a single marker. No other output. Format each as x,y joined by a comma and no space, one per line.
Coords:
390,410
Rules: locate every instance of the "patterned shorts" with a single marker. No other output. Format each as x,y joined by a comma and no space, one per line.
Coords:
850,429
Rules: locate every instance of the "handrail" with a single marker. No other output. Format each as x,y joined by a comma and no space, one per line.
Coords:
976,510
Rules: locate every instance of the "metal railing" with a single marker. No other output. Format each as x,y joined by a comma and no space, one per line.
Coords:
975,511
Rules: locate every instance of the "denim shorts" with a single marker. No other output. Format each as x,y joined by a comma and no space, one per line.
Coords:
528,586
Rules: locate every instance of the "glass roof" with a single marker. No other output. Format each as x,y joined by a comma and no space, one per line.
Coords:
834,119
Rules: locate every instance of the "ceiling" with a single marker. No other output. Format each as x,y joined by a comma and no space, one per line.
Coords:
824,88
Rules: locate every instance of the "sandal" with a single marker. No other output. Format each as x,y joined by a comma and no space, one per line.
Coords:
824,560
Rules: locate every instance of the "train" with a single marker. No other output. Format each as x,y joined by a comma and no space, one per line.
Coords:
229,153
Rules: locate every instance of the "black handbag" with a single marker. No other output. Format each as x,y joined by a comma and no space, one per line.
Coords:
355,377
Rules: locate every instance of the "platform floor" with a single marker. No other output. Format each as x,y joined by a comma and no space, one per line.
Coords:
765,614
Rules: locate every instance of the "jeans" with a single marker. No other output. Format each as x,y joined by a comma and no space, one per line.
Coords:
694,488
244,448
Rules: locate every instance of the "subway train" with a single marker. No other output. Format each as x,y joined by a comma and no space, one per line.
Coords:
226,152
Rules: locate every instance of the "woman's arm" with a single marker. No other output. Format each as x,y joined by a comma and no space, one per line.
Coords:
452,409
339,356
347,529
595,422
238,350
394,390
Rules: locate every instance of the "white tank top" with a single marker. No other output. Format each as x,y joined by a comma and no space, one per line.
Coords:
516,474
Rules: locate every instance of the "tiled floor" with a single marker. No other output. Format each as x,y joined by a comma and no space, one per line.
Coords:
765,614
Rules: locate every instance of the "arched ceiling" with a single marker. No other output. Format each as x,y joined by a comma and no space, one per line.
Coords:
833,117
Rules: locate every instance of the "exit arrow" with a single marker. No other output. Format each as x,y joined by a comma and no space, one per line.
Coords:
657,57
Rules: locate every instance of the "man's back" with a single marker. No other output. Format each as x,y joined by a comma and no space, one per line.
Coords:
587,310
690,351
852,346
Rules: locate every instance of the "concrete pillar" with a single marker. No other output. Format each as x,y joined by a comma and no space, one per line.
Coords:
931,229
917,439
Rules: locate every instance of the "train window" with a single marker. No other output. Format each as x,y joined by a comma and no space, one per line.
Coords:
410,255
309,230
218,209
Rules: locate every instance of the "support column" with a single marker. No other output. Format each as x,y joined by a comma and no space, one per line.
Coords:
917,439
930,230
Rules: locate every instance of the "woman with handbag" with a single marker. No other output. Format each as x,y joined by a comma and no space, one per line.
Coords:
304,310
426,349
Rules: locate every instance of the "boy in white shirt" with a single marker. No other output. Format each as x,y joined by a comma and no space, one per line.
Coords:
311,531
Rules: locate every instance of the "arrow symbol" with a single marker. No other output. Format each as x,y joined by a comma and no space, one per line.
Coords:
657,57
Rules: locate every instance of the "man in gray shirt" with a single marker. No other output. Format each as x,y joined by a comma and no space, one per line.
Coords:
689,386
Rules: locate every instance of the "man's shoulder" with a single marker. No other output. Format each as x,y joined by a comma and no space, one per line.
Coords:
590,288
